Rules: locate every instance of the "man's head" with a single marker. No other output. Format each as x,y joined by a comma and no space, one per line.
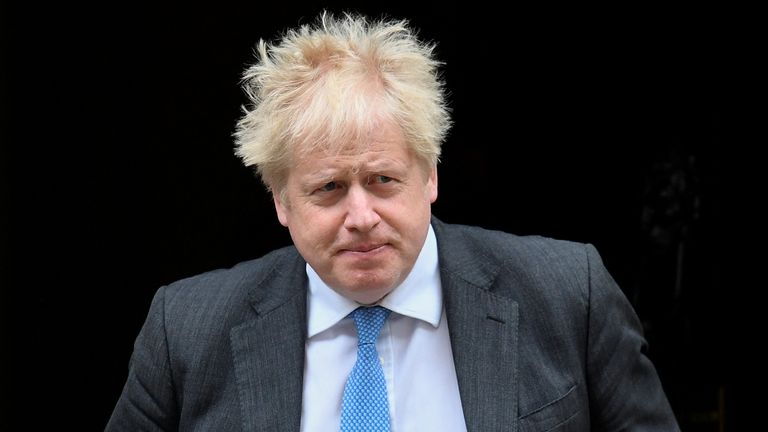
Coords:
345,129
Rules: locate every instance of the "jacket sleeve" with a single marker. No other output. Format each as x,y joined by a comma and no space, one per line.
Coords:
624,389
148,402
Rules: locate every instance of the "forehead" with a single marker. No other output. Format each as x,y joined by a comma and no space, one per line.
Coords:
384,142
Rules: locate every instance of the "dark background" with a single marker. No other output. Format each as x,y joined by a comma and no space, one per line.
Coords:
623,127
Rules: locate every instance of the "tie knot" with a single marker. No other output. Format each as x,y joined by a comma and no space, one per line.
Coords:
369,321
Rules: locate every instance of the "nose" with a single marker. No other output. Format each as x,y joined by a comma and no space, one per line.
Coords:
361,215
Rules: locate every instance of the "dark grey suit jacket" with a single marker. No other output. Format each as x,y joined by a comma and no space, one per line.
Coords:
543,340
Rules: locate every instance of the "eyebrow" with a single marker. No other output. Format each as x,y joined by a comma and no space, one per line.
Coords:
322,176
383,164
328,174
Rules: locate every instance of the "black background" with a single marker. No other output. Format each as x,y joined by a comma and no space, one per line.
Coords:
623,127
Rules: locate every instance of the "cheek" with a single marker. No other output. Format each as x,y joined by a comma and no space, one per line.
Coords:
316,228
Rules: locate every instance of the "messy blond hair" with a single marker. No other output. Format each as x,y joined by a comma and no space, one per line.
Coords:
327,85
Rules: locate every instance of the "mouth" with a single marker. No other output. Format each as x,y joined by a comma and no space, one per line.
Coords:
363,248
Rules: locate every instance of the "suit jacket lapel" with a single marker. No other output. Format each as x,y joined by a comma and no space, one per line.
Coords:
484,335
268,350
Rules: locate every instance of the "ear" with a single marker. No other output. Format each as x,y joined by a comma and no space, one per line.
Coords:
432,184
281,208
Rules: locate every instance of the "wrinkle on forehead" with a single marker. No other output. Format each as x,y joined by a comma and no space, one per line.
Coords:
383,150
360,143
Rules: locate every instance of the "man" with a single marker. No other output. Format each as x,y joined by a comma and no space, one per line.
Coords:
459,328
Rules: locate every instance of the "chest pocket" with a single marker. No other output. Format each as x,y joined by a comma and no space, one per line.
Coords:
565,413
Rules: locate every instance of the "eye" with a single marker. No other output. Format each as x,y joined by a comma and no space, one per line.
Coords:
380,179
328,187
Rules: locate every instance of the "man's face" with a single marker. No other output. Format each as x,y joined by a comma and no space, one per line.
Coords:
360,218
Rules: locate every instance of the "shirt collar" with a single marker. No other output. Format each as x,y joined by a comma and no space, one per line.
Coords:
419,296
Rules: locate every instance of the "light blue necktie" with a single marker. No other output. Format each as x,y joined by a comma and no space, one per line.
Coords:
365,406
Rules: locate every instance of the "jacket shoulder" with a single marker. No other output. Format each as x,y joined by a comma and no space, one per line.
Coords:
227,290
503,249
529,268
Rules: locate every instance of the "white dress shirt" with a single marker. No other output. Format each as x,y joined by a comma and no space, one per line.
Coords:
413,346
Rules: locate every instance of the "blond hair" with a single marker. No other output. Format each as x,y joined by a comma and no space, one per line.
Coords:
328,85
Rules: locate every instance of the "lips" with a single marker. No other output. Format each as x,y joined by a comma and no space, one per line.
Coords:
362,248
